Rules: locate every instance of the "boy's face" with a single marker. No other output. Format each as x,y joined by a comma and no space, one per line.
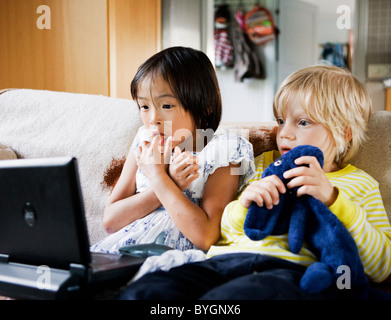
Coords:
296,128
162,113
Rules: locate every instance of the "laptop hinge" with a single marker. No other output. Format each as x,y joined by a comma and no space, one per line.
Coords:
78,270
4,258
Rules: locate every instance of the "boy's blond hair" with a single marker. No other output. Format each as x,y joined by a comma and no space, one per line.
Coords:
333,97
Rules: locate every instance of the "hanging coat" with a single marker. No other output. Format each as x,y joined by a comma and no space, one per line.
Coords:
247,63
224,52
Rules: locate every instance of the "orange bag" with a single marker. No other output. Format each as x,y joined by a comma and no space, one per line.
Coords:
259,25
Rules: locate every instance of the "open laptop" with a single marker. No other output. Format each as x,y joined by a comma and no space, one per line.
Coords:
44,244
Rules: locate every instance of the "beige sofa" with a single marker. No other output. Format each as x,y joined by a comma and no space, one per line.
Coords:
98,131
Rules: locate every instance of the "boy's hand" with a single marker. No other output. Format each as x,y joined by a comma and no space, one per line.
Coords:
264,192
183,169
311,180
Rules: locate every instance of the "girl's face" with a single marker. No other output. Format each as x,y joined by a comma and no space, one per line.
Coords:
162,113
296,129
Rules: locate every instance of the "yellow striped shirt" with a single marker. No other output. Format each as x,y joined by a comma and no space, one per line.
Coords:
359,206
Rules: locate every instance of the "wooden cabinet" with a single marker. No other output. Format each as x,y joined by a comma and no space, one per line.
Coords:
92,46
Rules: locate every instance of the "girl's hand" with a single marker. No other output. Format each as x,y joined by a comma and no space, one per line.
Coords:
264,192
183,169
152,158
311,180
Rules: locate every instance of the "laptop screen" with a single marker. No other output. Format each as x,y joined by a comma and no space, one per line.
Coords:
42,218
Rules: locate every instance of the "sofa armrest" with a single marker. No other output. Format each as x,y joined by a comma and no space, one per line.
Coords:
374,157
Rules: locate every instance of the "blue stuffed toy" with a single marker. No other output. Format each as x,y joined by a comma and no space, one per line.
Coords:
307,219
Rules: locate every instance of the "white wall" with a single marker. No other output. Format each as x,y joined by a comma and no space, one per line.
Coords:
252,99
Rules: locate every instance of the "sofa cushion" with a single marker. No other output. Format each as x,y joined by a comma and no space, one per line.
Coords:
94,129
374,156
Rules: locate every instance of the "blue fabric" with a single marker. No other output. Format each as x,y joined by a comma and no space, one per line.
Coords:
307,219
234,276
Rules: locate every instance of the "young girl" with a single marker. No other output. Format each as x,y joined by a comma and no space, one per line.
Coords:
322,106
180,105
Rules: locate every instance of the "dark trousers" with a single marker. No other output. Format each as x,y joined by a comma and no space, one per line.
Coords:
236,276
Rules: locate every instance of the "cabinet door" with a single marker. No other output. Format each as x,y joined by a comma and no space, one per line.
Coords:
92,46
134,35
71,56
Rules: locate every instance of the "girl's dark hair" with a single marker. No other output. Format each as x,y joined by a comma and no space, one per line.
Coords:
192,79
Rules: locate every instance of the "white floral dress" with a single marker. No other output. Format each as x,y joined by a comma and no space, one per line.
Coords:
221,150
